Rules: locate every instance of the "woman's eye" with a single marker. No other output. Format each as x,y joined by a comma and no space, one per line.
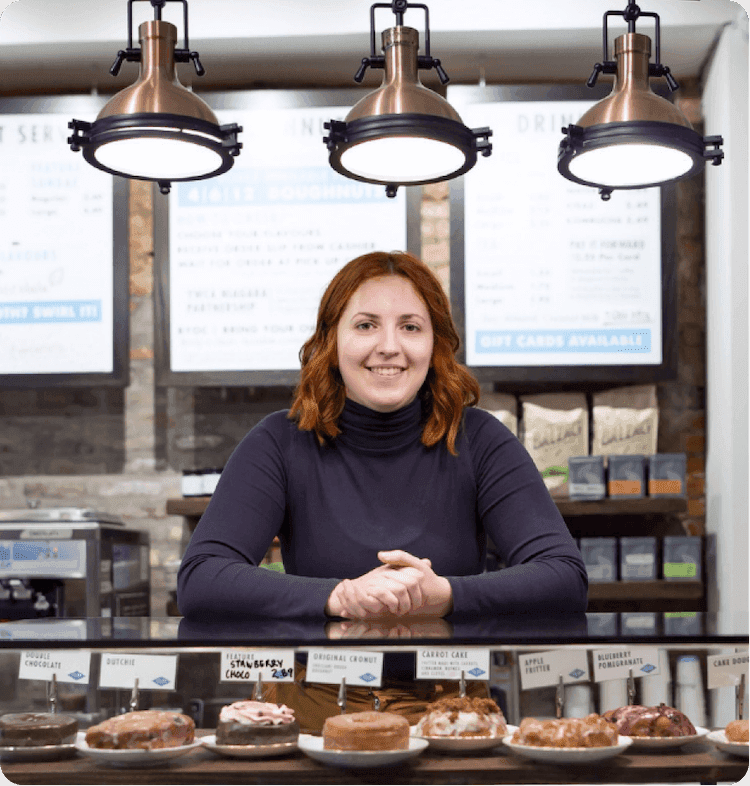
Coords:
411,328
364,325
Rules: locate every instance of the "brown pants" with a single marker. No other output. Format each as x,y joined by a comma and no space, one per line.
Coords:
314,702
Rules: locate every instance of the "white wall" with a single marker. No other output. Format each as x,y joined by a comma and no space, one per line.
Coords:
725,108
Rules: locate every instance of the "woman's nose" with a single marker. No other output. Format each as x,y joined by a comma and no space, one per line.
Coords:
388,343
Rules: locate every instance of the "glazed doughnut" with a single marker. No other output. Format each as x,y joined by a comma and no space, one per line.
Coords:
366,731
737,731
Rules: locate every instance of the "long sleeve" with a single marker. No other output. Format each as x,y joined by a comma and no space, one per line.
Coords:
220,574
545,572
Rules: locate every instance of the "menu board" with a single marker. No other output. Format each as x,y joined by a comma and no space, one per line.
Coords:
554,279
250,253
60,322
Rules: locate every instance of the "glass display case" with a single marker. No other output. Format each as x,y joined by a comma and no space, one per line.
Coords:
566,667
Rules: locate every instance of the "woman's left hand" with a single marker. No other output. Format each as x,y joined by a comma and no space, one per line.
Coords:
437,596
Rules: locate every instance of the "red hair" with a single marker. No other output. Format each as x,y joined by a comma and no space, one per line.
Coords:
449,387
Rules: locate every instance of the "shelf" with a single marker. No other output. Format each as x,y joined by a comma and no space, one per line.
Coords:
620,507
194,506
646,590
187,506
697,762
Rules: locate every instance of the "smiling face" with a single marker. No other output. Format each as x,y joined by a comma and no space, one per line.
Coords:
384,343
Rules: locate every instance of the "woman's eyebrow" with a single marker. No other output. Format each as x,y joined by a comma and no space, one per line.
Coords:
368,315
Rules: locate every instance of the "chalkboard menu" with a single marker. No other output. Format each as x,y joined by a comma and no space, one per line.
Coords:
63,252
244,258
548,281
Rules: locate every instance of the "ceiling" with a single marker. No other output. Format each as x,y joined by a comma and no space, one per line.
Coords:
63,46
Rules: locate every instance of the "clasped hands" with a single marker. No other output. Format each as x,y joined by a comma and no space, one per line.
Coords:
404,585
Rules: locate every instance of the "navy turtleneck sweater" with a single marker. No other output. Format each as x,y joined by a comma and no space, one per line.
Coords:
375,487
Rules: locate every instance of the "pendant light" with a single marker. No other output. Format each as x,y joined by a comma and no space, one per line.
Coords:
157,129
403,133
633,138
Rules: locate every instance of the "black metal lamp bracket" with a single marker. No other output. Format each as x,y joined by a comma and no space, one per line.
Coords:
630,15
426,61
133,54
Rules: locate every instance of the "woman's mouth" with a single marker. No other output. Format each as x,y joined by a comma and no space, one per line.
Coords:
386,371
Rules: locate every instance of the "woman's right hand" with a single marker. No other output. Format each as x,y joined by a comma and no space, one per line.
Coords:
377,593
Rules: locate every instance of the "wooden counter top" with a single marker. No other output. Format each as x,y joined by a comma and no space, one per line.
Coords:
698,762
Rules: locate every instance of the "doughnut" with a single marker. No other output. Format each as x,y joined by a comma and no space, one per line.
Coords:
256,723
366,731
462,717
147,729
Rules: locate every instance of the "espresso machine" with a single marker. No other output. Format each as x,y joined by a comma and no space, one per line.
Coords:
71,562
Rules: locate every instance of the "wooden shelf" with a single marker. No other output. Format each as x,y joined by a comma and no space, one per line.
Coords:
194,506
646,590
697,762
187,506
620,507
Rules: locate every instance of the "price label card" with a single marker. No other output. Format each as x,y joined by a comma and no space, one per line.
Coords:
153,672
65,665
617,662
545,668
239,665
726,670
447,663
357,667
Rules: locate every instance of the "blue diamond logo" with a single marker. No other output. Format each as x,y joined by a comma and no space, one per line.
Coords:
476,671
76,675
367,677
577,674
161,681
648,667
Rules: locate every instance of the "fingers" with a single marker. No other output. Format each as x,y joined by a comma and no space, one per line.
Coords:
397,558
400,558
411,581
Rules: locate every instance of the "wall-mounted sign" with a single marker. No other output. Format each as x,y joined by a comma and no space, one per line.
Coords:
249,253
552,275
58,311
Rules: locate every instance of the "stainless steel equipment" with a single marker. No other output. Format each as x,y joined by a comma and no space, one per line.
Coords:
71,562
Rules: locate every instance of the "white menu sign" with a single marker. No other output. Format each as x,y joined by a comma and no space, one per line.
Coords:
56,255
64,665
554,276
619,662
251,251
448,663
539,669
242,665
727,668
357,667
153,672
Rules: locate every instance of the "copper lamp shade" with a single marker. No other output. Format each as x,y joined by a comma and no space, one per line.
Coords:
633,138
403,133
156,129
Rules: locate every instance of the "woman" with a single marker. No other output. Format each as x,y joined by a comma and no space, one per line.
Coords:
383,481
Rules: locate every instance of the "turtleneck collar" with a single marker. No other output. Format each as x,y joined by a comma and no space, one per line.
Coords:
367,429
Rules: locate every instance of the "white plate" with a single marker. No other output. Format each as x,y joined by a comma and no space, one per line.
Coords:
248,751
568,755
719,739
37,752
463,744
136,757
313,747
664,743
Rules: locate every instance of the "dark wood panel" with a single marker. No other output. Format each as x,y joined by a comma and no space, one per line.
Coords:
641,590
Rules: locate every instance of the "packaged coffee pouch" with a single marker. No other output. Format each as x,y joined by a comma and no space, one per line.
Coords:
555,428
503,406
625,421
